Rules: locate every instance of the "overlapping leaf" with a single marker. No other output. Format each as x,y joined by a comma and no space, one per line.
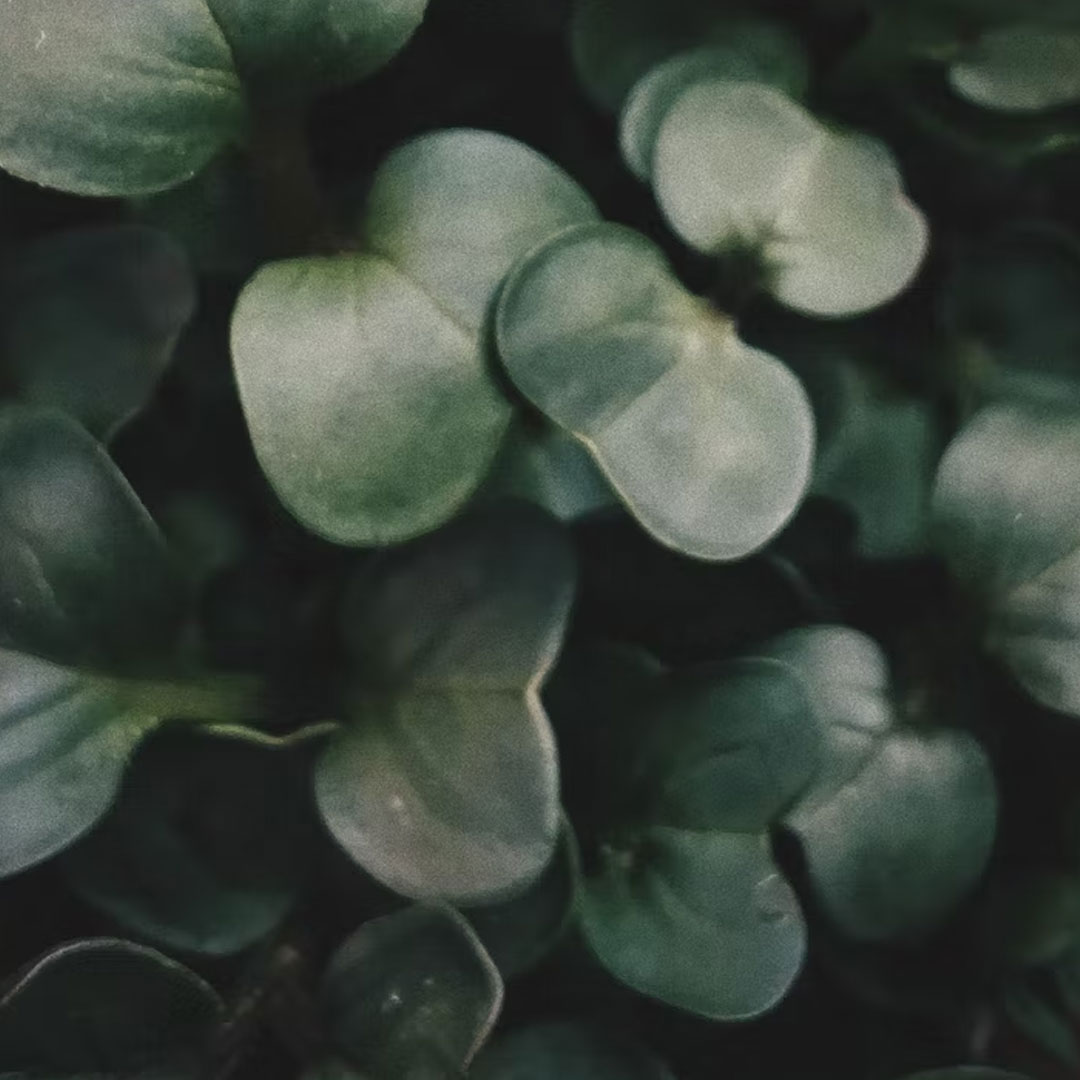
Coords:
108,98
707,441
738,164
899,824
364,377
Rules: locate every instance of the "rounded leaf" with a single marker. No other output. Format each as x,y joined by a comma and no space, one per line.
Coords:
1020,68
365,379
304,46
105,1008
707,441
454,210
739,164
899,824
728,747
758,52
94,316
1007,519
204,850
444,783
409,988
106,97
567,1050
85,576
701,921
65,740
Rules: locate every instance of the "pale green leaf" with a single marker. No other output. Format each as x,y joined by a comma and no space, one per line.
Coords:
707,441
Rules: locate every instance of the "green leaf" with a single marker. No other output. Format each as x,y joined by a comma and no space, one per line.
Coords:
65,740
726,747
205,848
686,904
85,577
104,1009
519,933
899,824
550,468
569,1051
365,378
738,163
106,97
756,51
1007,519
412,991
877,453
94,316
301,47
444,781
615,42
702,921
1019,68
707,441
1011,301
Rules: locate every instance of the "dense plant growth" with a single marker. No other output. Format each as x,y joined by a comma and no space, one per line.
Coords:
539,538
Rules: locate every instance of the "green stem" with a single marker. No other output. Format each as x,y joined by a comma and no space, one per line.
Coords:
202,699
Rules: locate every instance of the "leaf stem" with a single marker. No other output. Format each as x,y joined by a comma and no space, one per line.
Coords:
200,699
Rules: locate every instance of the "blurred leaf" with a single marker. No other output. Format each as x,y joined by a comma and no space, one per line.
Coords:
707,441
104,97
1019,68
1007,519
1042,1022
205,848
85,577
738,164
615,42
899,824
306,46
444,783
758,52
569,1051
412,995
364,377
94,316
105,1009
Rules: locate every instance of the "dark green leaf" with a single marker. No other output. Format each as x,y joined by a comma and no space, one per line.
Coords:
412,994
205,848
107,1010
702,921
444,782
900,823
84,574
94,318
567,1051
